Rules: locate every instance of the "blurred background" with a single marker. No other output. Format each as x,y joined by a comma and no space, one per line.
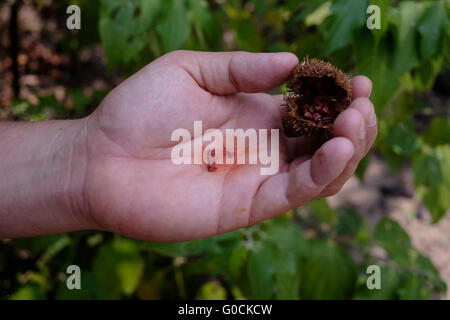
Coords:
392,213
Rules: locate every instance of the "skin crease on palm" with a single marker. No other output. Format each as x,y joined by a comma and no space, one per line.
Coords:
120,176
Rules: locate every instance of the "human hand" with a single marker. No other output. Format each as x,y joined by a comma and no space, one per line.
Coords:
132,187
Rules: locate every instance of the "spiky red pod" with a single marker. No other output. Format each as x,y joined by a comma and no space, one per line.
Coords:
317,93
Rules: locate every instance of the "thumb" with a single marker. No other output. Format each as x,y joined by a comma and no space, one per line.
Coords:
232,72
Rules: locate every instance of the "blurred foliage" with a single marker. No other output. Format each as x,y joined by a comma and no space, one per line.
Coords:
315,253
272,260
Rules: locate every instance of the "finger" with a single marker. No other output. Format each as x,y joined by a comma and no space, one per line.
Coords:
366,109
232,72
351,125
303,181
361,87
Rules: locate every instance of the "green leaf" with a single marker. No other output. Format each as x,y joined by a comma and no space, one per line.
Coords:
287,275
285,234
328,272
427,170
183,249
284,239
213,264
390,281
238,260
322,211
307,8
38,244
349,15
362,166
438,133
155,283
414,288
211,290
425,75
394,240
118,267
406,54
431,28
247,35
30,291
245,27
261,6
149,11
308,44
401,108
119,31
319,15
206,24
394,160
88,35
90,289
349,223
80,100
436,200
402,138
397,244
430,272
432,180
200,17
173,26
260,271
375,61
384,9
276,17
52,250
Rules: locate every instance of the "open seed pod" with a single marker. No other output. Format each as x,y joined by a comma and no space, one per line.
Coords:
317,93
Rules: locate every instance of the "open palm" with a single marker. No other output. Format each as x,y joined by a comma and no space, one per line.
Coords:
132,186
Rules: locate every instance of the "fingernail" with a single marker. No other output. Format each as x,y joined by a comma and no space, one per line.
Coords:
372,120
362,132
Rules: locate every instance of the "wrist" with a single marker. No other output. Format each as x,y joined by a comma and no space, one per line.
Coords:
43,173
64,173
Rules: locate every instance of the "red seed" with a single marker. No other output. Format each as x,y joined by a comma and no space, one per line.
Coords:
212,165
311,109
325,109
308,115
316,116
318,107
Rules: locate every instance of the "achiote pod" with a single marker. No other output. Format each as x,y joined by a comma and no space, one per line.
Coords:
317,93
